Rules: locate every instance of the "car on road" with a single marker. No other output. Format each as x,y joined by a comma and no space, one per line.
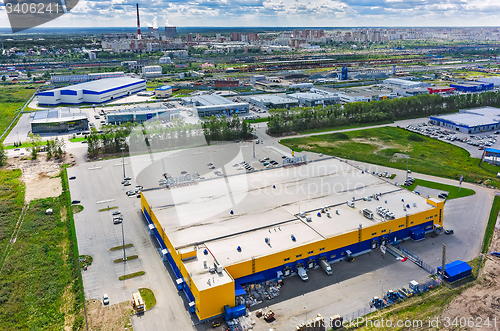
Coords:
124,181
74,202
183,172
105,299
117,220
448,231
210,164
127,178
497,254
129,193
443,196
72,177
283,157
127,183
117,212
211,167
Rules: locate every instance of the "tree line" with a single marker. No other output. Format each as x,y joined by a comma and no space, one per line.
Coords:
110,139
224,128
283,121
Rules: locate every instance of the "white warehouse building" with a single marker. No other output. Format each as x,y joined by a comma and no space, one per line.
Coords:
98,91
151,71
405,84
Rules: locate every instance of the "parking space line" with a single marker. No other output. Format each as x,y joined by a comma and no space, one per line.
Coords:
104,201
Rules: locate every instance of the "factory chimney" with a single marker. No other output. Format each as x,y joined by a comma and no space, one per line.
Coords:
138,23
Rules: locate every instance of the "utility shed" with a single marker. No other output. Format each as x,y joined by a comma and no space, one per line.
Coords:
456,270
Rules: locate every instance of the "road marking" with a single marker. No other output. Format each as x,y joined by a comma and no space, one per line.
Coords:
119,164
104,201
195,153
94,168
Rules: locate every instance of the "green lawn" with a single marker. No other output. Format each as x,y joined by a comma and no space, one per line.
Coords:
37,283
148,296
11,204
386,146
128,276
24,145
453,190
75,140
12,98
495,209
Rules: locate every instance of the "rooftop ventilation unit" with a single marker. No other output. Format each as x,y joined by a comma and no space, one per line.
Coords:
217,267
368,213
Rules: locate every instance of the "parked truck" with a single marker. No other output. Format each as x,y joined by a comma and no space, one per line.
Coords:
326,267
302,273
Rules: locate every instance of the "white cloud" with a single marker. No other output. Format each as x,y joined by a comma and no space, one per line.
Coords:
281,13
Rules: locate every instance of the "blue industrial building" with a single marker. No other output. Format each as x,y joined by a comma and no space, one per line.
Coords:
95,92
455,271
475,120
473,86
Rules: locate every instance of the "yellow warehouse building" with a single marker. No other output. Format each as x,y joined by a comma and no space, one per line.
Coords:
226,232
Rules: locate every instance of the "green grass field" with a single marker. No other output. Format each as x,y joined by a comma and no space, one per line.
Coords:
36,275
39,284
490,228
12,98
387,146
454,191
11,204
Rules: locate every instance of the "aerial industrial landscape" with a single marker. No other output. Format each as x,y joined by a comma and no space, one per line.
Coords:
283,174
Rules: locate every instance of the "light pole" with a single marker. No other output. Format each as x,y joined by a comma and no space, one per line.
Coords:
407,158
123,162
123,242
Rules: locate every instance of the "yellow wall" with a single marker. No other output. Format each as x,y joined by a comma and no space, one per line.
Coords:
210,302
213,299
274,260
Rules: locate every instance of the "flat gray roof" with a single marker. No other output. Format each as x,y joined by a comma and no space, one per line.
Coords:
57,115
210,100
200,214
473,117
310,96
272,98
144,109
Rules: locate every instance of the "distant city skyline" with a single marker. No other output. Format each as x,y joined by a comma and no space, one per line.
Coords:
279,13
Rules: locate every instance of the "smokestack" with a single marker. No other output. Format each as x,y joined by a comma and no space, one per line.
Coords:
138,23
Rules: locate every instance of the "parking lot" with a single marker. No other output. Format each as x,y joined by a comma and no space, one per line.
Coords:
473,143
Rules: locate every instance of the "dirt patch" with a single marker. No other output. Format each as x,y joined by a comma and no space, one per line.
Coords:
483,299
109,318
381,145
67,304
398,156
39,175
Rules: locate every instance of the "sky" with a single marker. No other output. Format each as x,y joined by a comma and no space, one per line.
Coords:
278,13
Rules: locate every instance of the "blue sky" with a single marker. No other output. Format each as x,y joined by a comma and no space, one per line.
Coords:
280,13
